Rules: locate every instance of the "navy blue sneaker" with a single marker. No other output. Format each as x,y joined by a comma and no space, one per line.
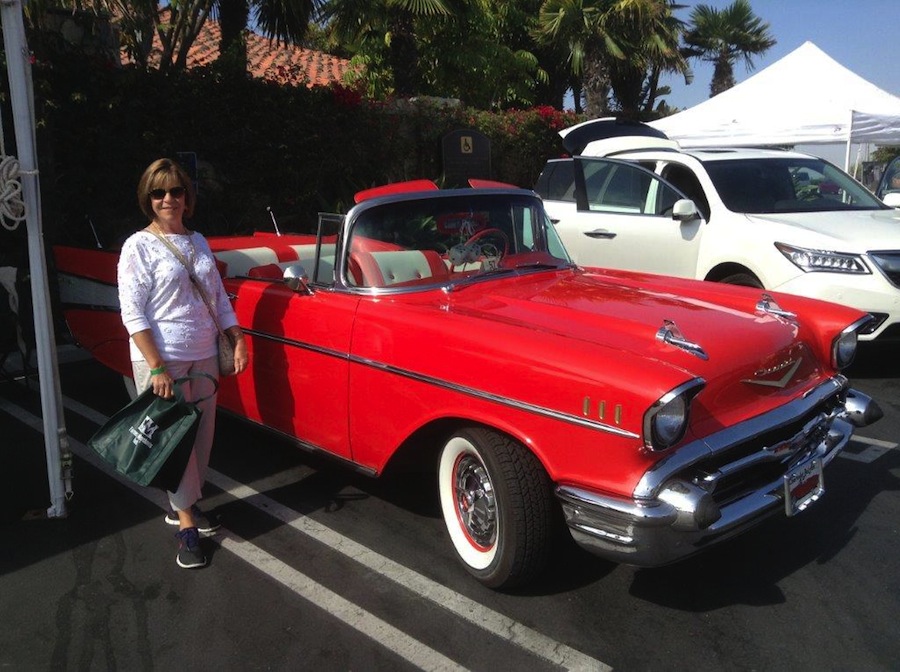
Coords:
207,523
189,553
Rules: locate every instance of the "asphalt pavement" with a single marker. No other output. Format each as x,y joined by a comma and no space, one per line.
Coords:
99,589
318,568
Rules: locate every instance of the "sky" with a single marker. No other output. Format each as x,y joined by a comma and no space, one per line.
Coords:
861,35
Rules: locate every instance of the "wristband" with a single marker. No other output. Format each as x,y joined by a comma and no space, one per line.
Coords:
158,370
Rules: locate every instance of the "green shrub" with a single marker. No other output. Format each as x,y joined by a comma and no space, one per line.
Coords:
259,144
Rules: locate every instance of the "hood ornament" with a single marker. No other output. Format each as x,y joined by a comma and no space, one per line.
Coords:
671,334
770,306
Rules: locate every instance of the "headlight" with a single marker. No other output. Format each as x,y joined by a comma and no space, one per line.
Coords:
843,349
822,260
666,421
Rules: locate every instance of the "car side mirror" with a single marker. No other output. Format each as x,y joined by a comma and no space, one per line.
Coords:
892,199
296,278
684,210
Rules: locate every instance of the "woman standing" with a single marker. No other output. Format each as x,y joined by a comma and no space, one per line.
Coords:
172,330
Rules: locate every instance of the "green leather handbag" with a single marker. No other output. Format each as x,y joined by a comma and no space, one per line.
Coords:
151,439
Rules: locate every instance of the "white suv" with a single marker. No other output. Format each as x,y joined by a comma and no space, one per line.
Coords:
773,219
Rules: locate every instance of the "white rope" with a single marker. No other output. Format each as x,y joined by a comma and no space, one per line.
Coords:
12,207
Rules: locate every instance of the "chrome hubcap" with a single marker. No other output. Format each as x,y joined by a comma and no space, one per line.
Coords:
476,503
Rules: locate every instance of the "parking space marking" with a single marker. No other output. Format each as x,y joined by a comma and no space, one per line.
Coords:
873,442
383,633
380,631
469,610
492,622
874,448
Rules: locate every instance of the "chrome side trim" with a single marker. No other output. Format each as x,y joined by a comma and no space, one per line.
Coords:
488,396
461,389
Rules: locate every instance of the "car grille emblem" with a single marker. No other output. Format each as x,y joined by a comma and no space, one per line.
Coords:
785,370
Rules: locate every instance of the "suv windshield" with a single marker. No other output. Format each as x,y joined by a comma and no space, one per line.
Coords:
774,185
439,239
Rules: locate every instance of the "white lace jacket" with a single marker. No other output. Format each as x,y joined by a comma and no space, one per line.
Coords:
155,292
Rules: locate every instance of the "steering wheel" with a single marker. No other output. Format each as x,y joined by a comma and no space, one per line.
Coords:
484,232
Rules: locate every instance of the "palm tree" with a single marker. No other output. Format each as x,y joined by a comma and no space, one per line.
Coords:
571,27
615,48
367,26
721,37
285,20
646,38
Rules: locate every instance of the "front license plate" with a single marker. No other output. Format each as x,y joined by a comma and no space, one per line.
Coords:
803,485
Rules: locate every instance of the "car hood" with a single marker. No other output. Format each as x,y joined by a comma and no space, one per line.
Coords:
600,328
842,231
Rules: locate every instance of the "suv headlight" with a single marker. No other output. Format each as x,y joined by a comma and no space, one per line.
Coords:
666,421
822,260
843,348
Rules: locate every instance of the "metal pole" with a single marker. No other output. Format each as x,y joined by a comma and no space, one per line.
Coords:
22,99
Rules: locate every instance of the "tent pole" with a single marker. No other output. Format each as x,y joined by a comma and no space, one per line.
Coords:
56,442
849,142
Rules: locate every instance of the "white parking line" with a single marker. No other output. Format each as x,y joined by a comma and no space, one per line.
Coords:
471,611
873,442
359,619
874,449
494,623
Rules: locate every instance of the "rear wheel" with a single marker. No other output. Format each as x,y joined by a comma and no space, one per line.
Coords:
497,505
743,279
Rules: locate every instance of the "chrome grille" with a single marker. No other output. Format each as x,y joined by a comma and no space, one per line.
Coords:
750,465
745,457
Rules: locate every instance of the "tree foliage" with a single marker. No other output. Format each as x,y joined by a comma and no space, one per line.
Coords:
493,54
616,49
721,37
476,50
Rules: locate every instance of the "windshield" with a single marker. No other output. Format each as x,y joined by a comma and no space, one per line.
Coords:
787,184
438,239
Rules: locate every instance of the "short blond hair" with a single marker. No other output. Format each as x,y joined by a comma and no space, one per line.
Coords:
165,174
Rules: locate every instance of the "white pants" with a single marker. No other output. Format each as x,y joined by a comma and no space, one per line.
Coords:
195,473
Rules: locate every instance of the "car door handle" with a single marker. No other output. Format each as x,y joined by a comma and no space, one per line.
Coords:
600,233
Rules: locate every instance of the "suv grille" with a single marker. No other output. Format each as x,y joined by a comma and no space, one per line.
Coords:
889,263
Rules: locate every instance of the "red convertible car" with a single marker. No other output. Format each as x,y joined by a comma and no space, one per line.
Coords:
653,416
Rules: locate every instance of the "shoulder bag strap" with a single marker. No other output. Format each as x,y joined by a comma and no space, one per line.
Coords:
199,375
194,279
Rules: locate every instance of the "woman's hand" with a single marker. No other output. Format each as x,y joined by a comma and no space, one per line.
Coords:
163,385
241,355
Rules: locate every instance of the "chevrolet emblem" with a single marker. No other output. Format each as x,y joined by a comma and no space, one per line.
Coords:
789,367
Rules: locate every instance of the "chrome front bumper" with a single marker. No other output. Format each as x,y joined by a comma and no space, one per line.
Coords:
678,513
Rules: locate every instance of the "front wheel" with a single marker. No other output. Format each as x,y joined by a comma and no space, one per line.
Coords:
497,505
743,279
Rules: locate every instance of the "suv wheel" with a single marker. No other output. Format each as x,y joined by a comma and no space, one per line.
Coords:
743,279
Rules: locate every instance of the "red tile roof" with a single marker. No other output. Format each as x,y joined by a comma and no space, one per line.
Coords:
266,59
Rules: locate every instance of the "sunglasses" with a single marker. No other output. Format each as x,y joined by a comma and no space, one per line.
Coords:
174,192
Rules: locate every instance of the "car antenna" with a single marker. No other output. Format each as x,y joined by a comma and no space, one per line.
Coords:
274,223
94,231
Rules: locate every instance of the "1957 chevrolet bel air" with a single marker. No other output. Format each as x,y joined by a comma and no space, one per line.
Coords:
655,416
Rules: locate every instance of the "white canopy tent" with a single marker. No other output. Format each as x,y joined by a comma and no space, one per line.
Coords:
805,98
